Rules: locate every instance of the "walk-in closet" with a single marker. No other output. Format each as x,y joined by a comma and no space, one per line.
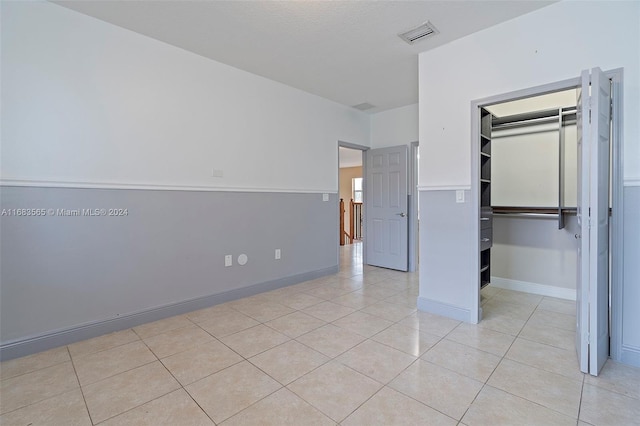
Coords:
528,183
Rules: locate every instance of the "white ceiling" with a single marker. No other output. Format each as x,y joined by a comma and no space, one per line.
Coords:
346,51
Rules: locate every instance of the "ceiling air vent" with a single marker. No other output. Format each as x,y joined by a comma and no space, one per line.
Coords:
364,106
419,33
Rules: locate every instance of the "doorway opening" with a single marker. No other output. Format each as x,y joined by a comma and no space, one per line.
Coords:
351,206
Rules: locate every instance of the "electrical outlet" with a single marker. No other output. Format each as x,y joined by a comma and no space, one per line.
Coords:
459,196
217,173
228,260
278,254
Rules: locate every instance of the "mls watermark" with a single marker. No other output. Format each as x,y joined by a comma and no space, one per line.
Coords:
89,212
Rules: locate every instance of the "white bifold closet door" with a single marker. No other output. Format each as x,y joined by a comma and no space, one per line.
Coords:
594,118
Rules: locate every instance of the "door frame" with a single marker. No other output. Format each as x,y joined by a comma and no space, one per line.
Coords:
412,163
616,240
412,179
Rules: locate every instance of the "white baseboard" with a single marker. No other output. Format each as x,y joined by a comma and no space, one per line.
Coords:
445,310
535,288
630,355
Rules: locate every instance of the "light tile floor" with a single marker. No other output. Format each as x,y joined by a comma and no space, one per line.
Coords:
346,349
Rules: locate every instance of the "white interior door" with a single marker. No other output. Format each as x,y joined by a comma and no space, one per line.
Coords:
386,208
593,285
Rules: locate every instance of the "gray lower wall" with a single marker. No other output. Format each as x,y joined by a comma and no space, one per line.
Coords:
66,278
534,250
447,248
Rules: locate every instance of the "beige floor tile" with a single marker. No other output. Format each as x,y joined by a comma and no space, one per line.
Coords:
405,299
355,300
501,323
507,309
179,340
254,340
567,307
552,390
300,300
29,388
117,394
377,291
335,390
389,407
552,336
100,365
172,409
406,339
229,391
430,323
328,311
362,323
226,323
208,314
553,319
66,409
375,360
348,284
264,311
289,361
448,392
200,361
518,297
545,357
162,326
481,338
27,364
372,276
498,408
101,343
618,378
281,408
604,407
295,324
468,361
389,311
395,284
330,340
327,292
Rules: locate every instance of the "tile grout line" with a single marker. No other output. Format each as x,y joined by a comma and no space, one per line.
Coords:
84,399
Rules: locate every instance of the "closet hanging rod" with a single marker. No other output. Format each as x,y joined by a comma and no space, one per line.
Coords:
530,215
517,125
527,211
535,115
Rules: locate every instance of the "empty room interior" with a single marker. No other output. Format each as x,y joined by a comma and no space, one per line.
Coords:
319,212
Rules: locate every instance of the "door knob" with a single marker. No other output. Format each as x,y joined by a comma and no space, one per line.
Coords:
577,236
401,214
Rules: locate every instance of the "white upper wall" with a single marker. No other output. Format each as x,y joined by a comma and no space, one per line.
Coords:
86,102
398,126
552,44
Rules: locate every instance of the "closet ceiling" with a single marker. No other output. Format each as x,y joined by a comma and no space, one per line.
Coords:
345,51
